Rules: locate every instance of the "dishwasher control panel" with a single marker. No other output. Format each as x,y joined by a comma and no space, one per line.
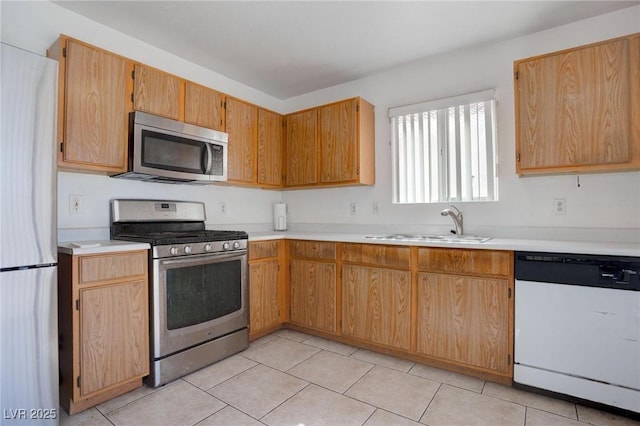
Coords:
616,272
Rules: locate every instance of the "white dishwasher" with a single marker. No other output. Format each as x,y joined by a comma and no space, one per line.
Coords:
577,326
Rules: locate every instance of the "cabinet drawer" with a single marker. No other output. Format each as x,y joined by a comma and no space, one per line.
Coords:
378,255
111,267
462,261
263,249
313,249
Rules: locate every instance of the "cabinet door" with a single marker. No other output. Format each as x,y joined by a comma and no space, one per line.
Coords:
242,126
464,319
95,119
573,108
270,148
263,293
114,335
203,106
313,294
376,305
158,92
302,148
338,142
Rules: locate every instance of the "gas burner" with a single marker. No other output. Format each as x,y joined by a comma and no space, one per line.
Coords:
172,228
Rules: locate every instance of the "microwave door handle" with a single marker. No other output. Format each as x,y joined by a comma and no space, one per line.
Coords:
209,159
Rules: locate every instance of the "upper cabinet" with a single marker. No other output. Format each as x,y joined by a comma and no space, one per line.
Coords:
242,126
158,92
302,148
204,107
576,110
93,107
270,148
347,142
331,145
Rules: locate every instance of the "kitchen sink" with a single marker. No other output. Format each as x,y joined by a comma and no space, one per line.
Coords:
445,238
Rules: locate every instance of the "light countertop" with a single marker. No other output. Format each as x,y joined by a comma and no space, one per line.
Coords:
552,246
99,246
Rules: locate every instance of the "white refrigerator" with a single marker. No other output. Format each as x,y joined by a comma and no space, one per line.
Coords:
28,239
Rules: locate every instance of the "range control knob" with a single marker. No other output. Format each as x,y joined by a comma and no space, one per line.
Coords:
236,245
207,247
173,250
187,249
226,246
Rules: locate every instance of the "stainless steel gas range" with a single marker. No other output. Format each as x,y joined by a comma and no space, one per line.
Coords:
198,284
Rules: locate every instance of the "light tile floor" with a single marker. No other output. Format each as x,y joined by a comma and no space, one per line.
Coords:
290,378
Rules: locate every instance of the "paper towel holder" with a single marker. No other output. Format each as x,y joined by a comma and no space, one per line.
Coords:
280,216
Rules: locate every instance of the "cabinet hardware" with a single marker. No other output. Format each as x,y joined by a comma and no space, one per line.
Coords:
131,97
78,382
64,52
133,74
509,293
357,106
62,147
517,75
508,359
77,304
518,157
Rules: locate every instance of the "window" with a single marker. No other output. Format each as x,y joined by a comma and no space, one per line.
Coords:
444,150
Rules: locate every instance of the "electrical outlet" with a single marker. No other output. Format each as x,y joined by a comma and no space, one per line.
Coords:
75,204
354,208
223,207
375,208
559,206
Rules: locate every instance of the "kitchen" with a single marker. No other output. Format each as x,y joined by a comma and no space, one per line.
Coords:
599,207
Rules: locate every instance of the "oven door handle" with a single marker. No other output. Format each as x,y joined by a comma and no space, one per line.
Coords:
198,259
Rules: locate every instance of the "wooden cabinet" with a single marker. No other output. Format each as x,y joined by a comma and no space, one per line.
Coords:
577,109
332,144
93,107
302,148
346,137
270,149
204,107
376,299
103,325
158,92
242,126
313,285
267,298
465,308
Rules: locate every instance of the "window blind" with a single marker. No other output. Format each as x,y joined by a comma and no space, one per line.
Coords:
444,150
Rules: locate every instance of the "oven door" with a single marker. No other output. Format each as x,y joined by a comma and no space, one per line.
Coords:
196,299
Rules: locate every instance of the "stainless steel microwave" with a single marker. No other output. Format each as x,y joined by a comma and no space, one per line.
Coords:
169,151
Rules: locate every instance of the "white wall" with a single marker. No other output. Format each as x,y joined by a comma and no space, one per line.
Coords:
35,26
604,207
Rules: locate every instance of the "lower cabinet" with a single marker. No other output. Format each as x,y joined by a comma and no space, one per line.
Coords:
313,280
103,323
464,320
464,306
376,305
266,287
451,308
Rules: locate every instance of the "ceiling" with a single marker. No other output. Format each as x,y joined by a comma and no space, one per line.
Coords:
288,48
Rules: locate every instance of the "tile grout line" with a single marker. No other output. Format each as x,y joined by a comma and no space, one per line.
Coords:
424,412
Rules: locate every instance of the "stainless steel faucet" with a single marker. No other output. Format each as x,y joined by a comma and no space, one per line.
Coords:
456,215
